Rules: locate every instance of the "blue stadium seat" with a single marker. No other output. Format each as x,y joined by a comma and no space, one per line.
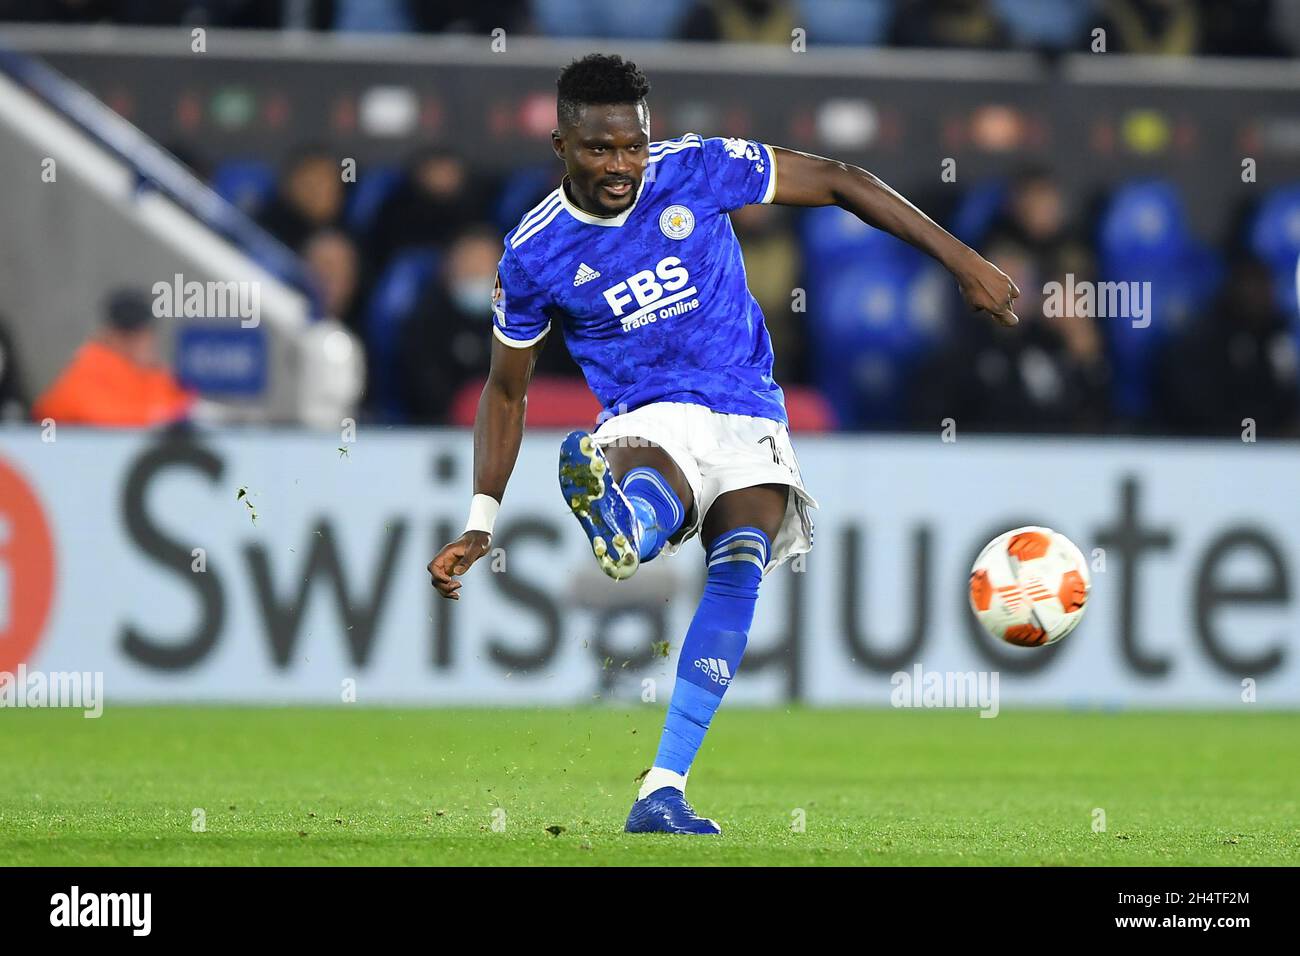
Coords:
977,210
871,320
856,22
600,18
1144,237
1048,24
395,297
372,16
829,235
523,189
369,193
1274,237
1145,222
1286,292
245,183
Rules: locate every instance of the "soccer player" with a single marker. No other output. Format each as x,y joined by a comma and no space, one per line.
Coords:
634,257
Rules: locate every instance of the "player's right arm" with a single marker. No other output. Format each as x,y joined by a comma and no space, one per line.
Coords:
498,432
520,322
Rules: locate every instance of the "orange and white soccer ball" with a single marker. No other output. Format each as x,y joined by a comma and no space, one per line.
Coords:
1030,586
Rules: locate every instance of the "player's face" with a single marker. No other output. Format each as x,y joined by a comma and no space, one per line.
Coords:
605,155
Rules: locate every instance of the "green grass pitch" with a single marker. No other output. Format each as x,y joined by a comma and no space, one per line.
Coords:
351,785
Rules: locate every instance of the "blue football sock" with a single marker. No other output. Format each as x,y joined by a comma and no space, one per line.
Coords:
657,507
714,643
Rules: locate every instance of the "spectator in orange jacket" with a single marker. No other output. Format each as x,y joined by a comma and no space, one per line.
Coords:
116,379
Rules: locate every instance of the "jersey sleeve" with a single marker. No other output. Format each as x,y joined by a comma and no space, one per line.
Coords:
740,171
519,316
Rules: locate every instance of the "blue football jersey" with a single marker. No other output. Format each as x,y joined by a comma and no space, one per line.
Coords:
653,302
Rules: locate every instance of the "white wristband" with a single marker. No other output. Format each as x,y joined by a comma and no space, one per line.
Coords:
482,513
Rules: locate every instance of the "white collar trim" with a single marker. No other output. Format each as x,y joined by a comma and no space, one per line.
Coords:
591,220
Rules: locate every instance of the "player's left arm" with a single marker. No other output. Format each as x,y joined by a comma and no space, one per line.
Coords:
806,180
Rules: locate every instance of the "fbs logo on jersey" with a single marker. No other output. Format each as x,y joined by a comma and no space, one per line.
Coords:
585,273
658,293
716,669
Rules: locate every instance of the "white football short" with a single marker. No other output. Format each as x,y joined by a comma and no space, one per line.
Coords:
719,453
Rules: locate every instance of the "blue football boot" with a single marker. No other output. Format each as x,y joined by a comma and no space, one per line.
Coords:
666,811
599,505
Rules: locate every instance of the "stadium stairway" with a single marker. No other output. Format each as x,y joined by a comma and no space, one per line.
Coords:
129,214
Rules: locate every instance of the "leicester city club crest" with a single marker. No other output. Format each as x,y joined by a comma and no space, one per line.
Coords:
676,222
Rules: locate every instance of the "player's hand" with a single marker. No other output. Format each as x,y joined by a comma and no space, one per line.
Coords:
986,288
455,559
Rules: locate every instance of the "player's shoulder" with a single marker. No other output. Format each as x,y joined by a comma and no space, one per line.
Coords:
693,146
694,156
534,221
686,147
684,156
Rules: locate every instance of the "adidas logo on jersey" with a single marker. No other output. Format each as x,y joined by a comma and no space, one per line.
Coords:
716,668
585,273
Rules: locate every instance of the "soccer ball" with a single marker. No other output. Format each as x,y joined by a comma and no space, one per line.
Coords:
1029,587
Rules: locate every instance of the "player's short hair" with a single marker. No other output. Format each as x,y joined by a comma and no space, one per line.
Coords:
598,78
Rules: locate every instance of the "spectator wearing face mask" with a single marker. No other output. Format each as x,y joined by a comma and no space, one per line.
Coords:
447,341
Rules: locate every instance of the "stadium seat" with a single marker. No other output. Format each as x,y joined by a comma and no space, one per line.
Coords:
847,22
829,234
246,184
977,210
870,322
1047,24
1144,237
553,402
394,298
600,18
372,16
1144,222
369,193
1274,236
523,189
808,410
832,239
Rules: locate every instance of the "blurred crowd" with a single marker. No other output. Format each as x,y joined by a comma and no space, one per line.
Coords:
862,325
1164,27
868,333
858,319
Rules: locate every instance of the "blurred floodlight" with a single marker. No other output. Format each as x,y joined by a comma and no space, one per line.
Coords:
847,124
389,111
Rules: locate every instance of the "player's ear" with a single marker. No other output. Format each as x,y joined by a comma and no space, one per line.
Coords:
557,143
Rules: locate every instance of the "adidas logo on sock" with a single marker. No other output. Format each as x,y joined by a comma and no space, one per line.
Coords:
716,668
585,273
